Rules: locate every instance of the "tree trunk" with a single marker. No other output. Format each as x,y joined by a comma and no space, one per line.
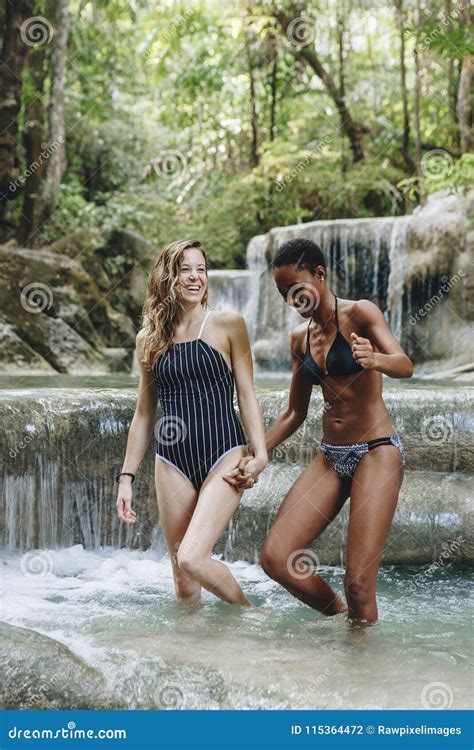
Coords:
341,34
355,131
416,54
12,60
254,149
410,164
340,49
451,92
463,107
273,84
33,141
57,160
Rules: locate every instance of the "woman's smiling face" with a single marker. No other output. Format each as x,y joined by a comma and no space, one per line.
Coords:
192,276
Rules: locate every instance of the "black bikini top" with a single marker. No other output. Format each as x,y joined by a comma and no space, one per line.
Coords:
339,360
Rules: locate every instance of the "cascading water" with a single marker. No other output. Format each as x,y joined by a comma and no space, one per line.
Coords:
58,486
397,262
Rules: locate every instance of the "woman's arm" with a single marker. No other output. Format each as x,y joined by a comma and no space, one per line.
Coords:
139,434
298,401
288,422
242,366
390,357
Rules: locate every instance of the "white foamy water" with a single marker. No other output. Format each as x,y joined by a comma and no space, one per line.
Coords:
111,632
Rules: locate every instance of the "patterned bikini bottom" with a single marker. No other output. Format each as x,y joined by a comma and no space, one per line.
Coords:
344,458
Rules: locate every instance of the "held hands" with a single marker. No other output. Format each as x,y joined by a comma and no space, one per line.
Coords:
124,501
245,475
363,352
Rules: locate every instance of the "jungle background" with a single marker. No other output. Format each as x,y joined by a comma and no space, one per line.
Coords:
220,120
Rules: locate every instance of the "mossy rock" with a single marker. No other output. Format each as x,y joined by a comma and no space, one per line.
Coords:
56,310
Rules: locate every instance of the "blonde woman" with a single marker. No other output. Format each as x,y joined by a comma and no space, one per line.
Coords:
189,359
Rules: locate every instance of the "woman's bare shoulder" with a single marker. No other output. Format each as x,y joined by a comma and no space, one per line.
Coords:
298,335
231,320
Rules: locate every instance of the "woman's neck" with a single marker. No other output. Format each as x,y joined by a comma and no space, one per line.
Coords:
189,316
324,311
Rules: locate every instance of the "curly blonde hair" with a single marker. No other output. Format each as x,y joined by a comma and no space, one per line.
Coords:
162,301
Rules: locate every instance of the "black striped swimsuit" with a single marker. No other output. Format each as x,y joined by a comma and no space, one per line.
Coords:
198,424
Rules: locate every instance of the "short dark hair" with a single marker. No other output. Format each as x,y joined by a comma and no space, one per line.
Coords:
301,253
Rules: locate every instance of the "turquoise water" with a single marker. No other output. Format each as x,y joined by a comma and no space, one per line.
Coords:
274,381
116,638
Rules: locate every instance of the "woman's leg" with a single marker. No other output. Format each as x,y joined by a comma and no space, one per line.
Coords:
216,505
312,503
177,499
374,496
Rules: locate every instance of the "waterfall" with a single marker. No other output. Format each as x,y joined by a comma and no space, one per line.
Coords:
398,260
400,263
236,290
358,262
58,489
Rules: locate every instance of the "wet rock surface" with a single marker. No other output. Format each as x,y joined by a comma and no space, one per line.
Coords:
62,448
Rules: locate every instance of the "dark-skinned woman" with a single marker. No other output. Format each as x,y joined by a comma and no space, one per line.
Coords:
344,346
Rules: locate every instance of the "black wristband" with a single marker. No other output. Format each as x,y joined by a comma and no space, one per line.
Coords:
127,473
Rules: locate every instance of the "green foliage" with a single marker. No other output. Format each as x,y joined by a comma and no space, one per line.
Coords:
146,80
460,176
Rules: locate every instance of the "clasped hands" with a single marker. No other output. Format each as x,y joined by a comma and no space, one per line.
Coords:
245,475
